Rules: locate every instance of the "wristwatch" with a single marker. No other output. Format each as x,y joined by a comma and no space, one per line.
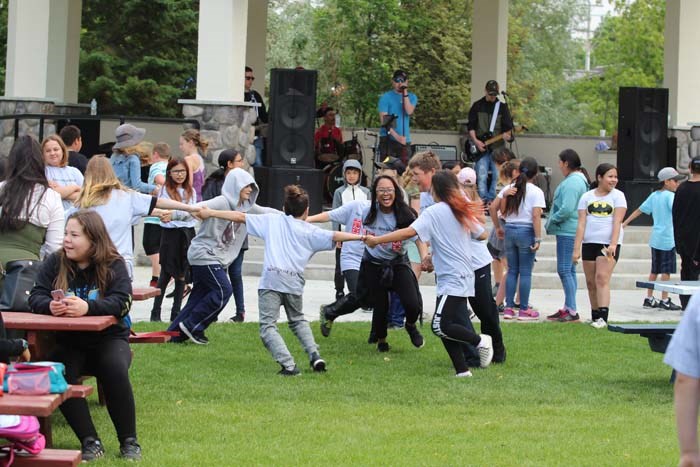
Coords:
538,240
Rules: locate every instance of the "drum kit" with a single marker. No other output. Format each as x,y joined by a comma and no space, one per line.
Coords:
331,160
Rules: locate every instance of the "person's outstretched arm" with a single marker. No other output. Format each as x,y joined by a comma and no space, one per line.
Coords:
395,236
632,217
339,236
320,217
233,216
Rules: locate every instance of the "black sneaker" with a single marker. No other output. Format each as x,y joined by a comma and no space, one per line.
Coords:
193,336
286,372
383,346
238,318
201,337
91,449
500,308
415,335
317,363
339,294
651,302
569,318
324,322
372,339
179,339
499,355
668,305
129,449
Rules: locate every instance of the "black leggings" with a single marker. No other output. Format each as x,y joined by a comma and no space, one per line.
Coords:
163,281
108,359
404,284
484,307
451,324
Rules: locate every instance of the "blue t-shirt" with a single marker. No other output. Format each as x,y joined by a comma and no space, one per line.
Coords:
350,215
289,245
683,352
391,102
659,205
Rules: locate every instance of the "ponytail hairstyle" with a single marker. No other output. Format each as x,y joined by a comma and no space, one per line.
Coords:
600,171
446,188
573,162
195,138
171,186
505,174
296,200
528,171
102,253
403,213
225,156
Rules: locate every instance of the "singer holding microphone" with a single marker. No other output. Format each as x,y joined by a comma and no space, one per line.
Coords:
488,117
395,110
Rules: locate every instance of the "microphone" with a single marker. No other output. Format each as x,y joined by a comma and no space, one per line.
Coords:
403,87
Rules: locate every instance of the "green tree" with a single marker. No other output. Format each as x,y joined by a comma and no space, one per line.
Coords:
138,58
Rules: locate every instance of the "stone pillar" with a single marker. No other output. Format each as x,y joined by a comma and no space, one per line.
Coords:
681,65
43,49
489,45
221,49
256,47
224,126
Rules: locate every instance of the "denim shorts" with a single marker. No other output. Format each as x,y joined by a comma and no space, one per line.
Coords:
663,261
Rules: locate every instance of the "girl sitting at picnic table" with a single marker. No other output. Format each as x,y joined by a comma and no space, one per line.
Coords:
93,280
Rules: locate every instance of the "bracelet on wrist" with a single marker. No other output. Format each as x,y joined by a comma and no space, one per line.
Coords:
538,240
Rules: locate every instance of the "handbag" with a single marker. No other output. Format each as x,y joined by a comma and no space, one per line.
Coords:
20,276
53,370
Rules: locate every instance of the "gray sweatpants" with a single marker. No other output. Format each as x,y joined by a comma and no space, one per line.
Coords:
269,303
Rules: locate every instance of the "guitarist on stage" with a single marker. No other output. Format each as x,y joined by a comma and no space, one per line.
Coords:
483,124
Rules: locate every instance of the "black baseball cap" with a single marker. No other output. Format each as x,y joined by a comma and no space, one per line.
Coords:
391,163
400,74
492,87
695,164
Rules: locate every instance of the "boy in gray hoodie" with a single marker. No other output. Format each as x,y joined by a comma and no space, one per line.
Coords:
212,250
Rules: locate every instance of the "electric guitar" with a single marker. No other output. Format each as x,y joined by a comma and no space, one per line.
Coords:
489,138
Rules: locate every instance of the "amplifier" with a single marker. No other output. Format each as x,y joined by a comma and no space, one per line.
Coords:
445,153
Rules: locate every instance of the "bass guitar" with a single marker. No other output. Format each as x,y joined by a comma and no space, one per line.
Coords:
489,139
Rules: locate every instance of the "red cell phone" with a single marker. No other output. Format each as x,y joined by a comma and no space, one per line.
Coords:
58,295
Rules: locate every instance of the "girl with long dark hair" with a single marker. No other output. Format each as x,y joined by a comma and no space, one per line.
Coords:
387,268
95,281
178,232
522,212
449,225
562,222
599,237
31,213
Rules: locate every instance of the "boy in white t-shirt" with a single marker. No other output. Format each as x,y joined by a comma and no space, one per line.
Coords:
290,242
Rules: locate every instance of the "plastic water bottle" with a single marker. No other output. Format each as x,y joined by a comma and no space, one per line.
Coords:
93,107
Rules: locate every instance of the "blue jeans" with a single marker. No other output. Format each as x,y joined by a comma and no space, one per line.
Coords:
519,239
566,269
211,291
258,143
487,191
235,274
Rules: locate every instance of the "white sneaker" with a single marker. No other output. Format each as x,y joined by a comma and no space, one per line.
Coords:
466,374
485,349
599,323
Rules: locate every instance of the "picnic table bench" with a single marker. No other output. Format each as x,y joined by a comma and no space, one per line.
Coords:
676,287
49,457
659,335
41,406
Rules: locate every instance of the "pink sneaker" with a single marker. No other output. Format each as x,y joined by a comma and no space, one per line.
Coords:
508,313
528,315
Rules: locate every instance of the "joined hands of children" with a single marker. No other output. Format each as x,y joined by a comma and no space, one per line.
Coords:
70,307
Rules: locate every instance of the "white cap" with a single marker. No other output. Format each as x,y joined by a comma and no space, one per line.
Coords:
467,176
669,173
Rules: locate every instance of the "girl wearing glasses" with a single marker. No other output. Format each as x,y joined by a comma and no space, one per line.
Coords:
386,268
178,232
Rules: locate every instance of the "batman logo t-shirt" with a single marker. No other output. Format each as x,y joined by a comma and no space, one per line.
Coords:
600,215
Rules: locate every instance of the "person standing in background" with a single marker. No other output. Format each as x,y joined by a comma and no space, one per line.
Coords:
686,226
251,95
395,110
70,134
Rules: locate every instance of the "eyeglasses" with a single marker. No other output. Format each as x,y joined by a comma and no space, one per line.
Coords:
385,191
399,80
178,172
252,78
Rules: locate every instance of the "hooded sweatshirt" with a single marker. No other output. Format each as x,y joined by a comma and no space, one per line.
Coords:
349,193
219,241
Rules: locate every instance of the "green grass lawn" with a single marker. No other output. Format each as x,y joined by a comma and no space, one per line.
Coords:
567,395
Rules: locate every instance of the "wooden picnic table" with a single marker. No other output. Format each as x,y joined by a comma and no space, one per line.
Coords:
144,293
677,287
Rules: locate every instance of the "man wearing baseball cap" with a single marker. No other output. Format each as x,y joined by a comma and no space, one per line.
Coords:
483,124
395,110
686,226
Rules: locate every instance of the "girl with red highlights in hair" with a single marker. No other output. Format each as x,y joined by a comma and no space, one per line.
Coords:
449,226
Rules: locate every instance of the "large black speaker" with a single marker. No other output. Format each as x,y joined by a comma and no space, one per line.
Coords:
89,132
272,180
642,128
636,191
292,117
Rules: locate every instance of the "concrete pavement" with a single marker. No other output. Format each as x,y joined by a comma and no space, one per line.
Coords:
625,306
